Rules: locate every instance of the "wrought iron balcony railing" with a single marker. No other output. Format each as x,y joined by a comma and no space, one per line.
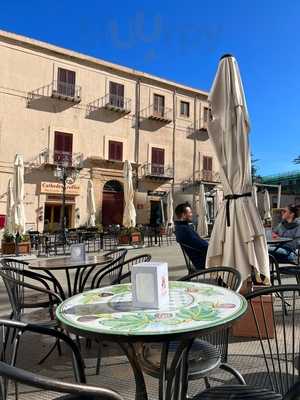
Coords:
207,175
157,113
111,102
65,158
57,89
158,171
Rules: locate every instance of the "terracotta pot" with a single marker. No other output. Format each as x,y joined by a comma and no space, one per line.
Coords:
124,239
8,247
24,247
136,237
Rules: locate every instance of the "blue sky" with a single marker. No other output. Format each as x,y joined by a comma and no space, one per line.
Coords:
182,41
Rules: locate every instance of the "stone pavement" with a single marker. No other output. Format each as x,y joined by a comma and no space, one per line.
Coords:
115,371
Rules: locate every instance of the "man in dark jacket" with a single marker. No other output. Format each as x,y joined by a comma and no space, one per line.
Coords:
195,247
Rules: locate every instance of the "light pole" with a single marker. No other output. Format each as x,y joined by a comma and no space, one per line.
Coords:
67,172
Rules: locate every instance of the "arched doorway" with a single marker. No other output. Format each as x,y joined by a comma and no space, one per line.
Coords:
112,203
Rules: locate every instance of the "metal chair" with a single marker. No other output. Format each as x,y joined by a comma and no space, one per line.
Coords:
189,264
209,352
76,391
126,277
275,354
96,274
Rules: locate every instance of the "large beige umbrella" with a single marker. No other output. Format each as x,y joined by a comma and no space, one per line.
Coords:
217,201
91,207
202,226
129,215
267,206
19,212
237,238
170,210
254,194
9,222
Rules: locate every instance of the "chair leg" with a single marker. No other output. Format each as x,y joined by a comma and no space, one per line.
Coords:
234,372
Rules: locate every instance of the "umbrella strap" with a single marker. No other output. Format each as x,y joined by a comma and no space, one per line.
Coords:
233,197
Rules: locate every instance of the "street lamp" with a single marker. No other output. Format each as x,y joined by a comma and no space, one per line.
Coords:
67,172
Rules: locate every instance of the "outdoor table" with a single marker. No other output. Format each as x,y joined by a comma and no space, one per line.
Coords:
50,265
279,241
194,309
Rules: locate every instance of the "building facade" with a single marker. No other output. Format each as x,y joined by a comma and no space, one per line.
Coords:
58,105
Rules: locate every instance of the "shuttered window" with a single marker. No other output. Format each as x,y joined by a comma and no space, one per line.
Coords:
184,109
157,161
159,104
115,151
116,94
207,163
63,146
206,114
66,82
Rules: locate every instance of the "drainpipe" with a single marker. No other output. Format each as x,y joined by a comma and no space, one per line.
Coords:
137,127
174,138
194,153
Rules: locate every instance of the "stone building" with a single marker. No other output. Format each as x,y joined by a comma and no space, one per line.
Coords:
57,104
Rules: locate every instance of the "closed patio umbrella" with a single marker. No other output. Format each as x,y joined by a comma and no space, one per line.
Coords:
267,206
217,201
163,219
91,207
170,210
254,194
19,212
202,226
237,238
129,216
9,223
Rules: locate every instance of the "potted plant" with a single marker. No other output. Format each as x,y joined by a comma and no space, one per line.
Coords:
129,236
8,244
23,244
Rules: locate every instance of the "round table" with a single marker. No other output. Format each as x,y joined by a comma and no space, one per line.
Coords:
49,265
194,309
279,241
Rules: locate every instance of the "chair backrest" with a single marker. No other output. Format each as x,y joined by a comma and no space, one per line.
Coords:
275,315
11,273
221,276
190,266
9,372
126,275
94,274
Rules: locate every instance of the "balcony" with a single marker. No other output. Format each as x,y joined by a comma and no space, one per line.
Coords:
47,158
59,90
157,113
110,102
158,171
198,131
207,176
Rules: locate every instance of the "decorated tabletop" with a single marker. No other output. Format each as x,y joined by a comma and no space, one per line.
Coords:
192,307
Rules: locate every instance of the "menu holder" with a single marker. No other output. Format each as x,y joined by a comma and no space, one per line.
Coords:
150,285
78,252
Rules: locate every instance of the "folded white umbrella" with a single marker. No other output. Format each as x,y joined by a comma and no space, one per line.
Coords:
217,201
237,238
129,215
267,206
163,219
254,194
170,210
202,226
19,212
9,222
91,207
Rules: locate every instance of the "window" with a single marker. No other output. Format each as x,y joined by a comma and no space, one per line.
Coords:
63,147
207,168
66,82
185,109
115,151
157,161
206,114
116,94
159,105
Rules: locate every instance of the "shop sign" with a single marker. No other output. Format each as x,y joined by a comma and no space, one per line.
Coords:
57,188
156,193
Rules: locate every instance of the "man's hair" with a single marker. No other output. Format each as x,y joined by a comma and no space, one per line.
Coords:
181,209
293,209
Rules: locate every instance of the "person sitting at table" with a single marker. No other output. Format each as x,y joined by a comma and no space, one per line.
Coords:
289,227
186,235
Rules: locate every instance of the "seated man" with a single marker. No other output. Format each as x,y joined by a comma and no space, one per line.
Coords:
289,227
186,235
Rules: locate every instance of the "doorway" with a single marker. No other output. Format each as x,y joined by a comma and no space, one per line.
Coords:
155,213
112,203
52,219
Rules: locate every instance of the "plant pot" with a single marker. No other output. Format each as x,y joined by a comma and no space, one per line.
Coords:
8,247
124,239
136,237
24,247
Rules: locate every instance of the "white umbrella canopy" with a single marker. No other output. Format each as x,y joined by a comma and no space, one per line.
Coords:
254,194
163,219
19,212
170,209
202,226
129,215
91,207
267,206
217,201
237,238
9,223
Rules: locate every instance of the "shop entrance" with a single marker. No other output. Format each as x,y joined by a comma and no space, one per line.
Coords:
156,217
112,203
53,212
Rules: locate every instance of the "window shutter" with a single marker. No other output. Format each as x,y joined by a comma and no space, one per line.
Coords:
158,156
115,150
